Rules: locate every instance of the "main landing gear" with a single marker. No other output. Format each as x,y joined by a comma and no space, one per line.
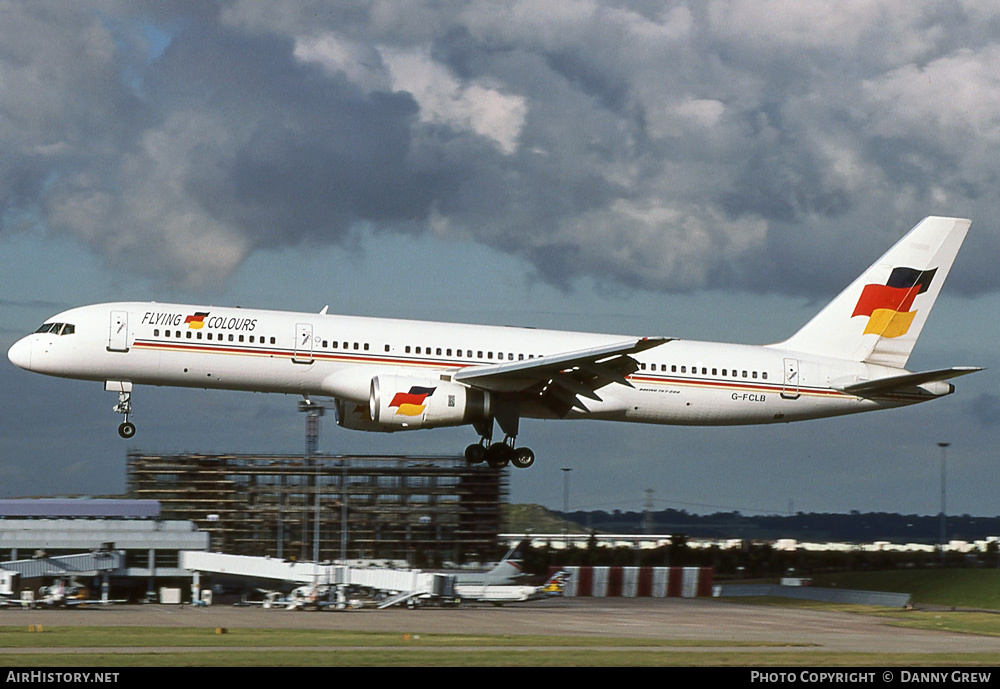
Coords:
499,455
124,406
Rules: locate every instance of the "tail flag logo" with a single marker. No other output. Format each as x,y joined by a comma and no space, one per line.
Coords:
412,403
888,306
196,321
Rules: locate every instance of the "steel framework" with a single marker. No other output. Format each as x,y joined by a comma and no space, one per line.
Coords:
422,509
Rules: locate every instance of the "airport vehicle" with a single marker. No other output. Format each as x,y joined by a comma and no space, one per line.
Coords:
65,592
394,375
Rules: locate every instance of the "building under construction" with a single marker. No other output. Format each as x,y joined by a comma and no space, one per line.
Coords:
423,509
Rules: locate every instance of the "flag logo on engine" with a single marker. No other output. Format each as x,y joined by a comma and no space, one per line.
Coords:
411,403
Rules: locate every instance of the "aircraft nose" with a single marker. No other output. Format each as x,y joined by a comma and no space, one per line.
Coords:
20,353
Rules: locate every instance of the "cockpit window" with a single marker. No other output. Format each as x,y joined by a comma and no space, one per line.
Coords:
57,328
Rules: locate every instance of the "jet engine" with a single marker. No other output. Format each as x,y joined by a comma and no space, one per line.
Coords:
354,415
404,403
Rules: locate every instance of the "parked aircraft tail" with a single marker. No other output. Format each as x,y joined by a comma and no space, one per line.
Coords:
510,567
878,318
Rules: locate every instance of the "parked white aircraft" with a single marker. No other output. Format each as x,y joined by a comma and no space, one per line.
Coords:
393,375
498,594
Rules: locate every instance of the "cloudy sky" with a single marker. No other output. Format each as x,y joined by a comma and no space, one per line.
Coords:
703,169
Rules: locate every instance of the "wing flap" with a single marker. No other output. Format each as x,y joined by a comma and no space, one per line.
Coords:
603,363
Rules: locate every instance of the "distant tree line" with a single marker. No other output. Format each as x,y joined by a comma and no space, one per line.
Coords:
749,559
853,527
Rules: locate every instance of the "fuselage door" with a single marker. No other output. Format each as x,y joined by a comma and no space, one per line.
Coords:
790,387
118,334
303,343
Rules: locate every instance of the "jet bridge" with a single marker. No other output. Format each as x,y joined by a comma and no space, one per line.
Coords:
99,562
391,586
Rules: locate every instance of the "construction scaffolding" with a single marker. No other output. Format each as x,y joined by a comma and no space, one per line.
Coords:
425,510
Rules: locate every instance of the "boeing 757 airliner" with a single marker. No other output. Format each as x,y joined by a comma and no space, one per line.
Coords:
394,375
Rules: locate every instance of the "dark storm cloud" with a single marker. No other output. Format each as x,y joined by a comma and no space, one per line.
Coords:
667,146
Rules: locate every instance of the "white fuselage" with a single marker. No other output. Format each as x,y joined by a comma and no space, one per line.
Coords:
678,382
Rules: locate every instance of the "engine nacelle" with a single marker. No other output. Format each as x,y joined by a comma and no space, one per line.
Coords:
355,416
407,403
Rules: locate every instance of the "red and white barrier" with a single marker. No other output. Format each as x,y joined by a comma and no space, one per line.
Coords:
638,582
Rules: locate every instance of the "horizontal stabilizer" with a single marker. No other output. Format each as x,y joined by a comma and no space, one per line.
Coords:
869,388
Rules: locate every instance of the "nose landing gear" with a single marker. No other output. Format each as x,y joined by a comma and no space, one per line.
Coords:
126,429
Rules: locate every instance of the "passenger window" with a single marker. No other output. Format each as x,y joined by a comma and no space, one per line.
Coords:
230,337
366,346
764,375
480,353
744,374
325,344
489,355
754,374
387,348
156,332
438,351
198,335
684,369
407,349
241,338
272,340
189,335
418,350
520,357
715,372
642,366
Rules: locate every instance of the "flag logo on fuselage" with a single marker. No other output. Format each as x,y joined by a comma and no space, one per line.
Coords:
888,306
197,320
411,403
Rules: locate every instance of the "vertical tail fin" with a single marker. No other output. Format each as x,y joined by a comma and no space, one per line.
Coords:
878,318
511,566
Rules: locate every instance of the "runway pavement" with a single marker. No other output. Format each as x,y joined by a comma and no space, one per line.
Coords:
674,619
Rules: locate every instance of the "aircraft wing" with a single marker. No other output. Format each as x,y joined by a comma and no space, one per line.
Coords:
562,379
869,388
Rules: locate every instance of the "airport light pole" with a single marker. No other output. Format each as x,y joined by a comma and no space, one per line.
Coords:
944,523
313,412
565,471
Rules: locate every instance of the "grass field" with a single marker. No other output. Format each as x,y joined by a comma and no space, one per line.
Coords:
962,588
125,647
